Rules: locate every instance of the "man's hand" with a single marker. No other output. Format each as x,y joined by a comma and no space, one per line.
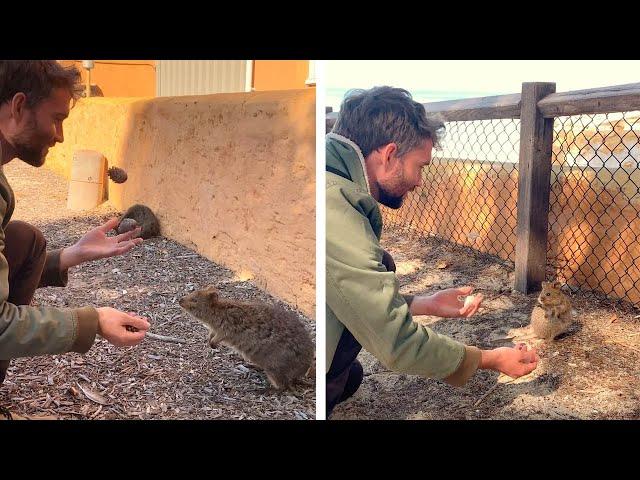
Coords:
514,362
452,302
119,328
95,244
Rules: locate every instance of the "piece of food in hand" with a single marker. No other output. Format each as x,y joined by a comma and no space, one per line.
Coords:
469,299
126,225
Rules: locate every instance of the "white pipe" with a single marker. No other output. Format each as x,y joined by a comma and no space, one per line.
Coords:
248,84
311,80
88,64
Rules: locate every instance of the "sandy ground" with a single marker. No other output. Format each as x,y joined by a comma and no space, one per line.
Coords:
154,380
592,372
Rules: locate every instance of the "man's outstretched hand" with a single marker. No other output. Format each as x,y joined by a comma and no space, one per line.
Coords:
450,303
121,329
96,244
514,362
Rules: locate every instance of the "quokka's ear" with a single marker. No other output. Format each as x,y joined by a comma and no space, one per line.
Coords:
545,284
556,285
212,295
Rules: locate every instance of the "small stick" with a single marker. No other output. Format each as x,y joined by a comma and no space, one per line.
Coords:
162,338
489,392
155,336
502,340
486,395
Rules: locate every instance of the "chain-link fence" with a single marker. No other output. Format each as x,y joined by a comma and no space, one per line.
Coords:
469,194
594,204
470,189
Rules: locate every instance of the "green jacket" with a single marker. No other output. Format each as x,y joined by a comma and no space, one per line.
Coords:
362,295
27,331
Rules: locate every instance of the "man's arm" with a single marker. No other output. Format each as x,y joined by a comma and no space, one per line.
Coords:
448,303
365,298
27,331
390,265
364,295
52,274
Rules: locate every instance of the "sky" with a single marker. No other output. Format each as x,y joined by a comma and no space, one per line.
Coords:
435,80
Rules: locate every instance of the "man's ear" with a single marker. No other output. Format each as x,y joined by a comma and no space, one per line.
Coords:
18,106
388,156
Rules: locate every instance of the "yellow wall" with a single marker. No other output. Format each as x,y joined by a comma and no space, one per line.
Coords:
230,175
121,78
280,74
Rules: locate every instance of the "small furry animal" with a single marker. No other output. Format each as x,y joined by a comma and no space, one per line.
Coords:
267,336
554,315
126,225
144,217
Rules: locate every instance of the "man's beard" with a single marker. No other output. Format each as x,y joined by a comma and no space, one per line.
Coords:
389,200
30,145
389,193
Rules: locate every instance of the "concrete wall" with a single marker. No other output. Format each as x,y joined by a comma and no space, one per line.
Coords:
594,218
230,175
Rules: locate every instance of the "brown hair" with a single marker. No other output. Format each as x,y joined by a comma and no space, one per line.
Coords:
36,79
381,115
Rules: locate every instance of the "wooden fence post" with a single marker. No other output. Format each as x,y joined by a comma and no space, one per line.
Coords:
534,176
